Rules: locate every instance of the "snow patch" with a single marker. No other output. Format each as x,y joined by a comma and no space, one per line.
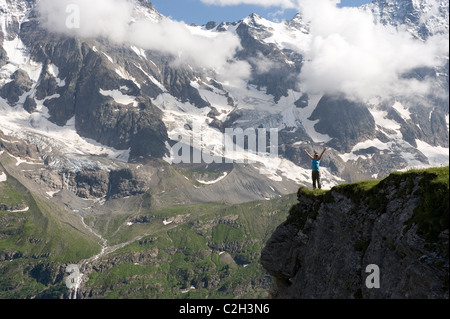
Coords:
119,97
18,58
22,161
20,210
125,75
167,222
361,146
305,114
436,155
404,112
108,57
52,193
214,181
217,98
152,78
54,70
382,121
139,51
286,37
37,129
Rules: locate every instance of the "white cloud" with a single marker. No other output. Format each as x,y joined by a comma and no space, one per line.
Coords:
350,54
347,53
262,64
114,20
96,18
285,4
175,38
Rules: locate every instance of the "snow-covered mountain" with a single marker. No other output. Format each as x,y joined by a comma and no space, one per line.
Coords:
82,103
422,18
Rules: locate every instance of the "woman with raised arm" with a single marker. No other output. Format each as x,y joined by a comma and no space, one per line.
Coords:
316,167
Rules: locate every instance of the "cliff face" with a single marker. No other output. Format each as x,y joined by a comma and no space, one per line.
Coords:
399,224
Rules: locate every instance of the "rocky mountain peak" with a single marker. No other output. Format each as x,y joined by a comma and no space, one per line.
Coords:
136,101
144,9
253,19
422,18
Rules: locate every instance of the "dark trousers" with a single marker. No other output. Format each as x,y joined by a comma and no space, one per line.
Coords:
316,179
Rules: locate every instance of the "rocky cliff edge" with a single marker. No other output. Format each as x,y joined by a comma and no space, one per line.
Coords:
383,239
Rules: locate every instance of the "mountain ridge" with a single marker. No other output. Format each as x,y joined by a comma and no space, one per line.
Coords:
157,90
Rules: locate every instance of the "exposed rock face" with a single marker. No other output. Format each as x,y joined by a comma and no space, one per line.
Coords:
127,182
345,121
18,148
20,84
324,247
75,91
278,79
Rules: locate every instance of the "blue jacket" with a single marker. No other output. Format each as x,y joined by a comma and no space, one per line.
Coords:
315,165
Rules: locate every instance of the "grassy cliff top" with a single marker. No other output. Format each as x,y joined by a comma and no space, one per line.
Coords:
431,185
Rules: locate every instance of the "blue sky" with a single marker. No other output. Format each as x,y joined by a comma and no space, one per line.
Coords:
194,11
